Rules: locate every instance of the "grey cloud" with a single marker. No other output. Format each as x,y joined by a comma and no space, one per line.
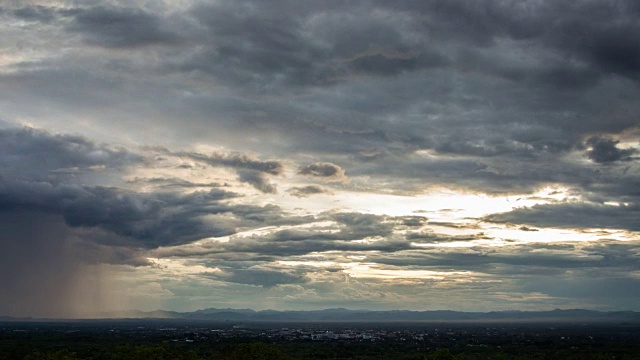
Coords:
36,176
250,170
611,45
516,266
312,243
257,216
238,161
413,221
273,47
520,259
120,27
35,13
477,23
431,237
257,180
149,220
259,277
604,150
602,33
138,220
526,228
302,49
379,230
306,191
382,64
574,215
300,241
35,154
350,226
502,132
508,123
323,170
175,182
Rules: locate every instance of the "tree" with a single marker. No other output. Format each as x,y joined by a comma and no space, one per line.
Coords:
52,355
445,354
257,351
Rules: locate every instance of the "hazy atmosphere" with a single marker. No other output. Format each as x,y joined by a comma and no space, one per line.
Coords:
290,154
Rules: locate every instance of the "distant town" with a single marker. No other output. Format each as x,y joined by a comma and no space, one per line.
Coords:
205,339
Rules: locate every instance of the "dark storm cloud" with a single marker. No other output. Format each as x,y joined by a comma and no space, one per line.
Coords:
306,191
40,173
146,220
605,34
301,49
46,268
605,150
575,215
143,220
35,154
378,45
35,277
272,47
119,27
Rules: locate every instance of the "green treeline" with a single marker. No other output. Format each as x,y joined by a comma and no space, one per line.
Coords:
299,350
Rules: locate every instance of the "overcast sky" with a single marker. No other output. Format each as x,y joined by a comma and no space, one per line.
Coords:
290,154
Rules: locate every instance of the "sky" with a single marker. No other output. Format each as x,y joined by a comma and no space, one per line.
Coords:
294,155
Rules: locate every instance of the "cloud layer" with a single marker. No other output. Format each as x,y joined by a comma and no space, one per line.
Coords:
366,154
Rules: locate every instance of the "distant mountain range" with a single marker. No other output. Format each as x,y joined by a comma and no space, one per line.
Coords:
346,315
